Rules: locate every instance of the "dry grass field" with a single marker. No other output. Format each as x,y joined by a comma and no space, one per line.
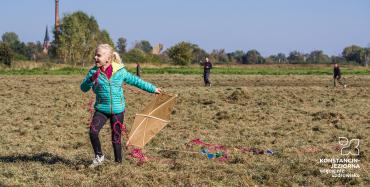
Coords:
44,132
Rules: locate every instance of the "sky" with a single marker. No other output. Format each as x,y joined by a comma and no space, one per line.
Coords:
269,26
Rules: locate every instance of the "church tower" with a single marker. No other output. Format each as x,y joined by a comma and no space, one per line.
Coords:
46,44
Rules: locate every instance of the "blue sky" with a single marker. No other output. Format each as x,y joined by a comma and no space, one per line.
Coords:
270,26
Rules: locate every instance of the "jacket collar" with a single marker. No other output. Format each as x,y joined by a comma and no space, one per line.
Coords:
116,67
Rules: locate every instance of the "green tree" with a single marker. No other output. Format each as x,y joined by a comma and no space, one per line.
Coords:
296,57
121,45
253,57
144,45
105,38
135,55
352,53
31,51
18,48
11,38
219,56
6,54
364,56
318,57
337,59
279,58
181,53
237,56
198,54
78,37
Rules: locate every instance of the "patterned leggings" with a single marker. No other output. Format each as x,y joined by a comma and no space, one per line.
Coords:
98,121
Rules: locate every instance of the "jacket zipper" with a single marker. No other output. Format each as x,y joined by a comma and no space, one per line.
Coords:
110,93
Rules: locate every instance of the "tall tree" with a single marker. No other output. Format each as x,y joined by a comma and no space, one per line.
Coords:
18,48
281,58
253,57
352,53
11,38
144,45
296,57
78,37
105,38
237,56
181,53
219,56
198,54
318,57
121,45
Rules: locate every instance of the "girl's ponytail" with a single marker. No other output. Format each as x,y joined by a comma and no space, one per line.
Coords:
116,58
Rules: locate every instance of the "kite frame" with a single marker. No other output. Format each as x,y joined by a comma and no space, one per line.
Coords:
149,115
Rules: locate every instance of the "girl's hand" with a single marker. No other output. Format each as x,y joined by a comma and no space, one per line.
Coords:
158,90
95,76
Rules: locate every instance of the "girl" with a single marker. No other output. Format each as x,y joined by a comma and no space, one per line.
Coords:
106,79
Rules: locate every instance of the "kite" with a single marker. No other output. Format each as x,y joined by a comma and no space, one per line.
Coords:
151,120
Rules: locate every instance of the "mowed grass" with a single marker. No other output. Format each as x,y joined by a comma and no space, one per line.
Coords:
44,132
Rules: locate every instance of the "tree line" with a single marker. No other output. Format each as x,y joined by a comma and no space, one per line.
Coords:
80,34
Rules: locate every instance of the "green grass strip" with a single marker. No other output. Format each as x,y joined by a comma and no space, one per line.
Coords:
194,70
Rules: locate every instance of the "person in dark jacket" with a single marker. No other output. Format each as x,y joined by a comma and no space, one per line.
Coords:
138,69
207,70
337,76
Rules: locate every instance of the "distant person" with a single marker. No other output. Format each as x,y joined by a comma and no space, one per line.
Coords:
106,79
337,76
207,70
138,69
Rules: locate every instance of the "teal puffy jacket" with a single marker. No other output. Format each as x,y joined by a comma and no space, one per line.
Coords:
109,92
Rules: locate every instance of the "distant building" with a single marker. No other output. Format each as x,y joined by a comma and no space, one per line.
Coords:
157,49
46,44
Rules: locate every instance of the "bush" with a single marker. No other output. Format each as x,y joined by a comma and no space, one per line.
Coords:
135,55
6,54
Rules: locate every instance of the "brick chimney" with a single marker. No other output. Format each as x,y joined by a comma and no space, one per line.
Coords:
57,16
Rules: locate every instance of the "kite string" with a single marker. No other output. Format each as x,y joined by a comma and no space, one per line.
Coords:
138,154
89,106
135,153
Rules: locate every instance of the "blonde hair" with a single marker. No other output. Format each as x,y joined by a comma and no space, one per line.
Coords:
115,58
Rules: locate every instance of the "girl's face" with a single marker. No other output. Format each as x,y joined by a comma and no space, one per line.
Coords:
102,57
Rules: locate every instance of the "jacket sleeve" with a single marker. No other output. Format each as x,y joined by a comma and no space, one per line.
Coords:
87,83
136,81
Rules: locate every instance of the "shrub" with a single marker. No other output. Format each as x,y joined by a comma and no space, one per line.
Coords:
6,54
